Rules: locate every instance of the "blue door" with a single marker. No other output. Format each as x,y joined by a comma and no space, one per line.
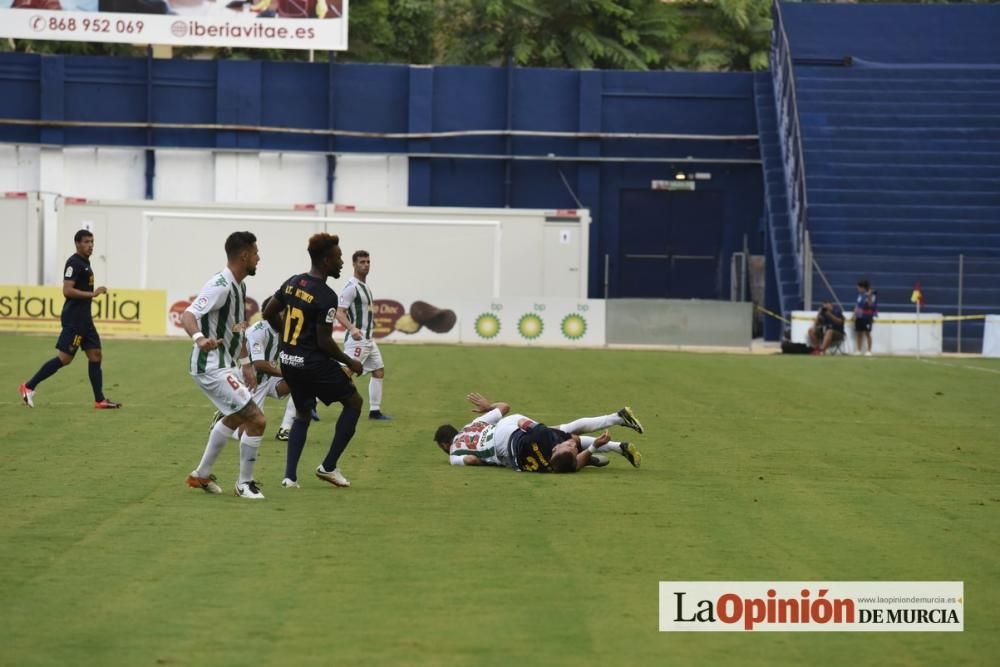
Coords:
669,245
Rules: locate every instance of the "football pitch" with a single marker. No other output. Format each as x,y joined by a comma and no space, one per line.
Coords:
754,468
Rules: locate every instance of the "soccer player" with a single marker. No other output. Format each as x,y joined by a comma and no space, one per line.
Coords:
520,443
354,313
262,344
310,359
216,322
78,328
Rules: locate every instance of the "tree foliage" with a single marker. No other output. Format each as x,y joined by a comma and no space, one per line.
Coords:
710,35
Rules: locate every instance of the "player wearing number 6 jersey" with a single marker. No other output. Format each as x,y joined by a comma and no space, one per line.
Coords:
310,360
355,313
216,321
518,442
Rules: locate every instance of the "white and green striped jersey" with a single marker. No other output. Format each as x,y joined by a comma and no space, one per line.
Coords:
220,309
262,344
357,300
477,439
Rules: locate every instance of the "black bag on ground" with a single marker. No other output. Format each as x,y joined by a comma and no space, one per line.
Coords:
788,347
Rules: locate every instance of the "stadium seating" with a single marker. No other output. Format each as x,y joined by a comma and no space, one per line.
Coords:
903,176
902,171
779,236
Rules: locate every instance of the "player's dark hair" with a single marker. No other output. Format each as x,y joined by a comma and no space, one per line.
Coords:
238,242
264,305
864,284
81,235
445,433
359,253
564,461
322,244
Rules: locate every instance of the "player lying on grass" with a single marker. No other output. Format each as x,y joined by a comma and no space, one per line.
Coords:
518,442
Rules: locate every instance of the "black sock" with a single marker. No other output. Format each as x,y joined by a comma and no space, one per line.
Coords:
342,435
47,370
96,379
296,443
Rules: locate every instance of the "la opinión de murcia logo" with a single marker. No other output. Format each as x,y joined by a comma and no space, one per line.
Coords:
830,606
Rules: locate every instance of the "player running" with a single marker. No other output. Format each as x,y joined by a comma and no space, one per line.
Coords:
78,330
216,321
310,360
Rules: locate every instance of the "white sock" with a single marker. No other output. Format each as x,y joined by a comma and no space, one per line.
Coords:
248,456
613,446
216,441
286,421
375,394
590,424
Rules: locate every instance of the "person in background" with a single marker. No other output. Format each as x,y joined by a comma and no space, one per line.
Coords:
78,330
865,312
828,328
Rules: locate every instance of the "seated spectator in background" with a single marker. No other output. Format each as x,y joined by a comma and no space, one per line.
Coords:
865,312
828,328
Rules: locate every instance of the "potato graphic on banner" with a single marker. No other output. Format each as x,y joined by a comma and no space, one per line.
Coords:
385,315
436,319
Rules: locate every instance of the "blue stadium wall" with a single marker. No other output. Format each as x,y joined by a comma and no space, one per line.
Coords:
395,98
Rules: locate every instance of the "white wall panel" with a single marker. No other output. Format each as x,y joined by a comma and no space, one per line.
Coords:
104,173
292,177
184,176
372,180
19,168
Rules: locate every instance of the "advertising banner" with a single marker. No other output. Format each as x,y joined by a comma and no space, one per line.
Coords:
273,24
119,311
514,321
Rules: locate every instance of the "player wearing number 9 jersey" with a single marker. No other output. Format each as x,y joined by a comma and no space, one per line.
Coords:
310,359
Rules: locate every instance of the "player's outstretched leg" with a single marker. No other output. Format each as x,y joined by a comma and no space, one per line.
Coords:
629,420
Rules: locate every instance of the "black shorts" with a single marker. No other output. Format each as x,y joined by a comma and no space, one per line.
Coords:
863,324
328,384
72,338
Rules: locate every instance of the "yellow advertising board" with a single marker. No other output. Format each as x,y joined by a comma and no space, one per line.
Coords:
120,311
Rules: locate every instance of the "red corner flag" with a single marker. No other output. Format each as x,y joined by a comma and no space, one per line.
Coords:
917,297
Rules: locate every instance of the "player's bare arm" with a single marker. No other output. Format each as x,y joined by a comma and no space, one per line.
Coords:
249,374
325,342
345,322
267,368
190,324
272,314
71,292
584,456
482,405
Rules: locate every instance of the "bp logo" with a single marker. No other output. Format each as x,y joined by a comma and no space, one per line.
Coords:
573,326
487,326
530,326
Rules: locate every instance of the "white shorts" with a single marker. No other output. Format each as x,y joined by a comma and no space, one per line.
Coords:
225,388
365,351
268,387
502,433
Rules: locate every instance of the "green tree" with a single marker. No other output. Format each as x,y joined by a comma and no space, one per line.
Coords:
633,34
723,35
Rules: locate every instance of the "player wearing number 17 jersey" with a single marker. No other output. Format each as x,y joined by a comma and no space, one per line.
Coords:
310,359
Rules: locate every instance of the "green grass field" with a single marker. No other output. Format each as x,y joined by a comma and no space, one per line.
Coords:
755,468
